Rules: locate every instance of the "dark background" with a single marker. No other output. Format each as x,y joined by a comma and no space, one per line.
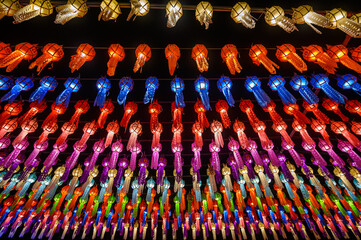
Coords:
151,29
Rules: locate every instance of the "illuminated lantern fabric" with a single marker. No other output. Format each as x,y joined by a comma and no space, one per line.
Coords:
116,54
276,16
172,53
338,19
321,81
35,8
6,82
5,50
129,110
299,83
356,54
224,85
349,81
174,12
253,84
305,14
177,86
139,8
23,51
222,108
277,83
204,13
9,7
46,84
72,9
109,10
143,54
126,85
103,85
229,54
52,52
315,53
84,53
21,84
201,85
151,84
287,53
339,54
199,54
71,85
258,55
241,13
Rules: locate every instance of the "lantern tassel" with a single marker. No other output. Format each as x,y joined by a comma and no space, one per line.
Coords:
351,64
65,15
112,65
41,62
268,63
102,119
297,62
287,24
261,97
350,27
64,97
100,98
25,13
109,138
309,96
12,94
172,63
139,63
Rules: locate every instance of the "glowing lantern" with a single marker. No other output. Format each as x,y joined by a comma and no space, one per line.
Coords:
10,109
305,14
340,128
224,85
293,109
158,129
355,127
330,105
338,19
154,110
9,7
241,13
301,128
67,129
22,51
177,86
253,84
349,81
21,84
81,106
112,129
116,54
258,55
353,106
321,81
281,128
5,49
229,54
199,54
174,12
339,54
52,52
49,128
46,84
204,13
176,114
277,83
198,130
126,85
6,82
27,127
217,129
105,111
71,85
139,8
84,53
177,129
356,54
151,84
135,129
109,10
318,114
315,53
320,127
55,111
238,127
9,126
35,8
89,129
143,54
129,110
271,109
72,9
103,85
222,108
299,83
201,86
172,53
287,53
276,16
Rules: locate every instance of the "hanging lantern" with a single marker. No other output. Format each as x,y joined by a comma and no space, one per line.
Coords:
174,12
84,53
204,13
129,110
109,10
21,84
72,9
222,108
301,128
238,127
9,126
67,129
151,84
318,114
217,129
198,130
46,84
305,14
81,106
157,131
277,83
321,81
52,52
294,109
349,81
330,105
340,128
241,13
5,49
35,8
287,53
229,54
177,86
276,16
116,54
172,53
258,55
126,85
315,53
112,129
339,54
356,54
299,83
338,19
201,112
224,85
201,85
199,54
353,106
320,127
35,108
154,110
355,127
10,109
103,85
23,51
271,109
253,84
49,128
105,111
143,54
71,85
9,8
56,110
27,127
176,114
135,129
6,82
89,129
139,8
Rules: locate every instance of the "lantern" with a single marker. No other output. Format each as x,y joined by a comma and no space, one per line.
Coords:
135,129
222,108
293,109
151,84
176,114
172,53
271,109
126,85
5,82
277,83
353,106
174,12
318,114
355,127
320,127
84,53
224,85
129,110
229,54
349,81
154,110
287,53
139,8
67,129
204,13
305,14
72,9
338,19
157,131
301,128
143,54
315,53
217,129
5,49
330,105
71,85
9,8
276,16
281,128
177,86
35,8
339,54
135,150
10,109
321,81
9,126
56,110
81,106
356,54
23,51
299,83
253,84
238,127
27,127
198,130
52,52
21,84
241,13
340,128
258,55
112,129
199,54
177,129
89,129
178,161
49,128
104,112
201,85
109,10
103,85
116,54
35,107
46,84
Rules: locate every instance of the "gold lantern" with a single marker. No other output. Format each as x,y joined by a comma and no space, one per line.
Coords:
356,17
338,19
138,8
174,12
73,9
8,7
305,14
35,8
241,13
204,13
109,10
276,16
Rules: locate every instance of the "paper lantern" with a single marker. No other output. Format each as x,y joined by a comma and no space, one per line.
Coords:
143,54
301,128
353,106
104,112
222,108
201,112
135,129
339,54
276,16
135,150
204,13
151,84
338,19
349,81
109,10
46,84
116,54
67,129
35,8
271,109
9,126
294,109
126,85
89,129
299,83
174,12
103,85
49,128
72,9
157,131
112,129
27,127
201,85
56,110
341,128
172,54
287,53
81,107
253,84
277,83
224,85
355,127
84,53
23,51
5,50
139,8
52,52
9,7
199,54
154,110
177,86
330,105
318,114
315,53
129,110
229,54
321,81
320,127
217,129
241,13
6,82
356,54
258,55
35,108
71,85
10,109
305,14
21,84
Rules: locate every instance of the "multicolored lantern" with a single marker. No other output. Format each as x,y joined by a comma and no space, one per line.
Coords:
46,84
258,55
305,14
143,54
72,9
35,8
71,85
23,51
241,13
276,16
21,84
199,54
174,12
201,85
151,84
109,10
116,54
287,53
139,8
338,19
172,53
52,52
315,53
204,13
84,53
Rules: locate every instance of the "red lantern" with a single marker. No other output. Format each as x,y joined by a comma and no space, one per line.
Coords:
222,108
353,106
319,126
270,108
88,129
201,111
301,128
293,109
56,110
129,110
10,109
112,129
27,127
84,53
246,106
330,105
318,114
199,54
172,53
81,106
143,54
67,129
49,128
198,130
258,55
356,54
105,111
116,54
22,51
9,126
51,53
356,127
176,114
229,54
339,54
177,130
340,128
217,129
35,107
315,53
238,127
154,109
5,50
287,53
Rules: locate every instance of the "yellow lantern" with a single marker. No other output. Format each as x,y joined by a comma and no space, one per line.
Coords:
138,8
276,16
356,17
204,13
8,7
174,12
109,10
338,19
72,9
305,14
240,13
35,8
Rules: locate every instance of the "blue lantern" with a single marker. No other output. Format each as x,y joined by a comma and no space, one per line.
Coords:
253,84
224,85
103,85
71,85
299,83
46,84
126,85
202,85
349,81
5,82
151,84
177,86
321,81
21,84
277,83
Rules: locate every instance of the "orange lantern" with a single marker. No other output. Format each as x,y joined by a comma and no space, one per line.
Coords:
81,106
258,55
201,111
52,52
246,106
199,54
320,127
22,51
222,108
9,126
198,130
356,54
116,54
84,53
154,109
318,114
330,105
229,54
293,109
340,128
105,111
355,127
353,106
129,110
55,111
172,53
27,127
10,109
301,128
287,53
49,128
143,54
176,114
217,129
158,129
238,127
35,107
89,129
5,50
112,129
339,54
315,53
135,129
